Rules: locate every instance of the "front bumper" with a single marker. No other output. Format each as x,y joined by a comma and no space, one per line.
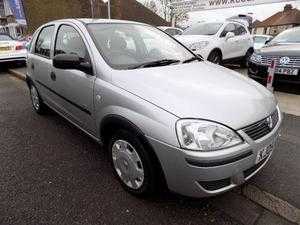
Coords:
14,56
203,174
260,73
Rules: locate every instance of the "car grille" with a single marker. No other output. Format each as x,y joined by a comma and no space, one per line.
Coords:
262,127
294,61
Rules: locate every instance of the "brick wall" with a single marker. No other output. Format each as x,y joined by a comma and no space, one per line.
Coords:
39,12
133,10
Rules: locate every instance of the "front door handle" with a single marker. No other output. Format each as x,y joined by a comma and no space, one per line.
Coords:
53,76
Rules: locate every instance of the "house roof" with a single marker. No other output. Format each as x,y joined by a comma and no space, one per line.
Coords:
256,22
288,16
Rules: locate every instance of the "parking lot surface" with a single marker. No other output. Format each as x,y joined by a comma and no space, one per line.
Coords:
52,173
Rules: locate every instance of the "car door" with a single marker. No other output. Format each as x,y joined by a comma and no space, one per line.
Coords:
39,63
74,88
244,40
230,48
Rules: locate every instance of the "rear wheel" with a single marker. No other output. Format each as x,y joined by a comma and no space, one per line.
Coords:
215,57
36,100
132,164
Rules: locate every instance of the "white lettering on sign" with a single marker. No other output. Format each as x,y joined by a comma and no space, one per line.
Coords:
195,5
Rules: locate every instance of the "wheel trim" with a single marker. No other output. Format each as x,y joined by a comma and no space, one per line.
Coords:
35,98
128,164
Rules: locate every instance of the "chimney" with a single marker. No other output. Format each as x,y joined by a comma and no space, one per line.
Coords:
287,7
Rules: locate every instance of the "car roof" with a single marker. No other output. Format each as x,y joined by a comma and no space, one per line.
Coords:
91,20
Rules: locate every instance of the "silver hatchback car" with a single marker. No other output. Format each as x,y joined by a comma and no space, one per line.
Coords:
165,115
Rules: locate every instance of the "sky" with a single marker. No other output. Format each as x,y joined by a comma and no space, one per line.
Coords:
259,12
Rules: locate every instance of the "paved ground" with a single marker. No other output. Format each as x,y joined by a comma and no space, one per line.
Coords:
51,173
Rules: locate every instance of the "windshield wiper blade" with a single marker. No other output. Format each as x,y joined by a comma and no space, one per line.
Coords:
192,59
162,62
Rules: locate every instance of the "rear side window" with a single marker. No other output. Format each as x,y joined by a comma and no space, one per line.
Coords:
43,43
69,41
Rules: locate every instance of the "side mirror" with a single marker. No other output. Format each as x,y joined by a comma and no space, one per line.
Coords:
229,35
71,61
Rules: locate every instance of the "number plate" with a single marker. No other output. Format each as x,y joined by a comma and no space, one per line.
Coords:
4,49
287,71
264,153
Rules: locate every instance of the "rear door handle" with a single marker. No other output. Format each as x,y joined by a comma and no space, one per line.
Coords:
53,76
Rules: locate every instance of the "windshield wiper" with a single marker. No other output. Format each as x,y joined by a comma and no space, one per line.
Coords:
162,62
194,58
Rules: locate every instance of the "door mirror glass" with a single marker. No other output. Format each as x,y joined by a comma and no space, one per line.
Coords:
229,35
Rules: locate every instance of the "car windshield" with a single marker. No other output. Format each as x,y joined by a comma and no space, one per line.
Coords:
260,39
288,36
4,37
203,29
127,46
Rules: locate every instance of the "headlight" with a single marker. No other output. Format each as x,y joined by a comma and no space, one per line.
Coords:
202,135
256,58
198,45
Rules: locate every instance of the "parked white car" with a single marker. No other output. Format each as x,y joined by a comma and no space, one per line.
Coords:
261,40
11,50
219,41
171,30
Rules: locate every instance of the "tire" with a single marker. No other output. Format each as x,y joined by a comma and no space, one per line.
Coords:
245,61
37,103
215,57
132,164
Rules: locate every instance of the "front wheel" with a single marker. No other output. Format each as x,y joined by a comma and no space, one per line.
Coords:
132,164
215,57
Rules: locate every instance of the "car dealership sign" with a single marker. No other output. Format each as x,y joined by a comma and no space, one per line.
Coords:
195,5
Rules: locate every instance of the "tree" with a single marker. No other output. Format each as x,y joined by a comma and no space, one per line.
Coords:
181,17
165,8
150,4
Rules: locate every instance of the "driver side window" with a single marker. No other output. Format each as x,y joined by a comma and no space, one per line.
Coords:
69,41
229,28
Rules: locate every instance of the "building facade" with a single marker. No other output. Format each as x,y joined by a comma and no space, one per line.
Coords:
288,18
